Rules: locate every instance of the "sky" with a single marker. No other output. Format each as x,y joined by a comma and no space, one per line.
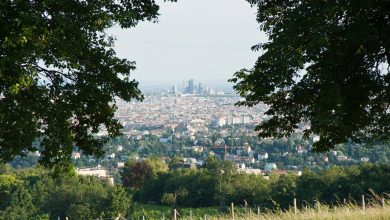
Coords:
205,40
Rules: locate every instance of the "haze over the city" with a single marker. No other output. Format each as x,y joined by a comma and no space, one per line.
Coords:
200,39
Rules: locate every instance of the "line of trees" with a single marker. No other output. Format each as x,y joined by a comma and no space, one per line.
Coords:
219,184
35,193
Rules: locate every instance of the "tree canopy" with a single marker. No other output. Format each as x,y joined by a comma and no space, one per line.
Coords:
59,74
327,64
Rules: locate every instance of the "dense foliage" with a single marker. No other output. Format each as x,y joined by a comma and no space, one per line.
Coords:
59,76
218,185
326,63
135,173
34,194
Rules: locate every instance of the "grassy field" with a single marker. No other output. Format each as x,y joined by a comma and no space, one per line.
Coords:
350,211
345,212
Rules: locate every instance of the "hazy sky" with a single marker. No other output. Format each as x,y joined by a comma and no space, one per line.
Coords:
201,39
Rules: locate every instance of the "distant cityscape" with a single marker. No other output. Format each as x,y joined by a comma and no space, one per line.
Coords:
188,87
193,121
197,107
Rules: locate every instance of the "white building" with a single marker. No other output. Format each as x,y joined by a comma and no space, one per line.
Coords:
111,156
99,172
241,166
120,164
342,158
262,156
75,155
190,160
270,166
253,171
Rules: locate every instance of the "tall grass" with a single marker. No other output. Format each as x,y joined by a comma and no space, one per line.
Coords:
350,211
157,212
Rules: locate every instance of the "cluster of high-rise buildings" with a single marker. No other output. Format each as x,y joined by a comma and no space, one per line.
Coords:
190,87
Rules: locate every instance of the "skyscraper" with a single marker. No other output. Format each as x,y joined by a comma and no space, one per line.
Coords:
200,89
174,89
190,88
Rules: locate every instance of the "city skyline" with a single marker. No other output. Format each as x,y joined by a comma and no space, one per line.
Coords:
181,85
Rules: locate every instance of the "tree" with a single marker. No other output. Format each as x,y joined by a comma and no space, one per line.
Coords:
327,64
213,164
283,190
21,205
134,174
310,187
7,183
176,159
157,165
60,77
172,198
119,202
80,211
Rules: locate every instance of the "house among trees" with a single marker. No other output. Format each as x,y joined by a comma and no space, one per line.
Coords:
270,166
75,155
262,156
342,158
301,150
